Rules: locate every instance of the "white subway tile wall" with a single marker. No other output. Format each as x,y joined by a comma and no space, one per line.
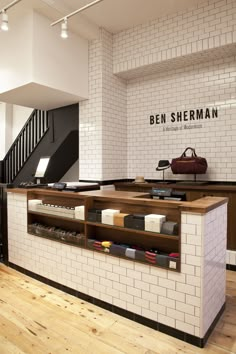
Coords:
209,25
199,86
231,257
192,55
114,117
213,264
103,118
90,119
164,296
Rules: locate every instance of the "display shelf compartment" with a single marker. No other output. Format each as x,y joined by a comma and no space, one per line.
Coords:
78,240
145,257
56,216
142,239
134,231
120,235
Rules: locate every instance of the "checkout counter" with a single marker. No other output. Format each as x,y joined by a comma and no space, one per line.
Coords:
184,301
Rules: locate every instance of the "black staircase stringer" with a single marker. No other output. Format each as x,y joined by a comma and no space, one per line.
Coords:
24,145
63,148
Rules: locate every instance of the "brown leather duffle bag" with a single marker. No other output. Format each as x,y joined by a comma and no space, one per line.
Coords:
189,164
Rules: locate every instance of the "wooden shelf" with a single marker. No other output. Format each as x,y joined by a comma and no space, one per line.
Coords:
134,231
145,240
69,243
56,217
137,260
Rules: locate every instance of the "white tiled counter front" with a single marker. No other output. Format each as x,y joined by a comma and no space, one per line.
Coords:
188,301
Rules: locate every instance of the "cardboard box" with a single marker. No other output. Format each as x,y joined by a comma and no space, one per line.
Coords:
94,215
119,219
153,222
79,212
134,221
169,228
108,216
33,204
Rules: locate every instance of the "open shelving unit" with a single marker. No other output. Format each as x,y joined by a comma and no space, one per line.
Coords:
82,233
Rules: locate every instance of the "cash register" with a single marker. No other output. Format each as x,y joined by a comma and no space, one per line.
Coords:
167,194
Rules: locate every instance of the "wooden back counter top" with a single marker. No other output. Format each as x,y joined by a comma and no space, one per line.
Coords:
202,205
220,186
194,192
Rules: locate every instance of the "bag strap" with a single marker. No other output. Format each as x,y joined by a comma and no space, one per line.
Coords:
189,148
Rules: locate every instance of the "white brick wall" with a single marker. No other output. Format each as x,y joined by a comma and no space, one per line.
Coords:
181,300
192,55
231,257
90,119
213,264
205,85
209,25
114,129
103,119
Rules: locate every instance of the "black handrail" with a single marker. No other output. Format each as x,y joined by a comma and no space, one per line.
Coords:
25,143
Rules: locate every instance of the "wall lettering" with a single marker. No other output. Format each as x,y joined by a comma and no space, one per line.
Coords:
185,116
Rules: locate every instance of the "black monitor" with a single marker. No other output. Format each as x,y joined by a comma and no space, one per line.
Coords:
168,194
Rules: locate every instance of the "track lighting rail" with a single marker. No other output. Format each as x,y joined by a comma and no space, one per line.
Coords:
7,7
76,12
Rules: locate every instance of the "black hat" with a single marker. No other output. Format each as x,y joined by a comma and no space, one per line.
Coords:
163,165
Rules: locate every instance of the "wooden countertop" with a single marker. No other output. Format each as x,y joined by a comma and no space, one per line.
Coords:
42,191
202,206
113,194
180,186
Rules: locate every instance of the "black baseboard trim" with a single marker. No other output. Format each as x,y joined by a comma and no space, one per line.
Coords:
212,326
231,267
196,341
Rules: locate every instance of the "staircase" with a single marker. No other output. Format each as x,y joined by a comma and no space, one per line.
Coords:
52,133
26,142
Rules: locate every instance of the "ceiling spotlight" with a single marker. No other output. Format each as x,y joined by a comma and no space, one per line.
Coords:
63,20
4,24
64,29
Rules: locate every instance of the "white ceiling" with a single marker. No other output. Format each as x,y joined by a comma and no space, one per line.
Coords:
113,15
38,96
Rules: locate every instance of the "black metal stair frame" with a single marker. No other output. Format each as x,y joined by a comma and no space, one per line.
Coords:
27,140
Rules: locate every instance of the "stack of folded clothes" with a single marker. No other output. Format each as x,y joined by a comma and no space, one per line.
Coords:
152,256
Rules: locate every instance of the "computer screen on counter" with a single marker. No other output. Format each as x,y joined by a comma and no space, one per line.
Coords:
42,167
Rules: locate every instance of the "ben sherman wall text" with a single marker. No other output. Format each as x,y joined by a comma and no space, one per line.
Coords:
184,116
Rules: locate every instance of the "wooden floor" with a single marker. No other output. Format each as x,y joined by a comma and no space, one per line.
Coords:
35,318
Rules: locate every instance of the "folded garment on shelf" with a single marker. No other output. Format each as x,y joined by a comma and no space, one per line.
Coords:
98,245
150,257
118,250
130,252
162,260
175,255
140,256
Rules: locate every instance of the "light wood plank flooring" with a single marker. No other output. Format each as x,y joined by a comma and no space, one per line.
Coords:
36,318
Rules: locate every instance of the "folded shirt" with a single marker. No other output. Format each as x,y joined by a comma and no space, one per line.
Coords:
130,253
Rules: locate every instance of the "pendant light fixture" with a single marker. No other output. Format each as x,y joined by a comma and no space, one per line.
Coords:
63,20
64,29
4,24
4,20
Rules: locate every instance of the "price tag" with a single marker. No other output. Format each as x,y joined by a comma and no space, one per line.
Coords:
172,265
